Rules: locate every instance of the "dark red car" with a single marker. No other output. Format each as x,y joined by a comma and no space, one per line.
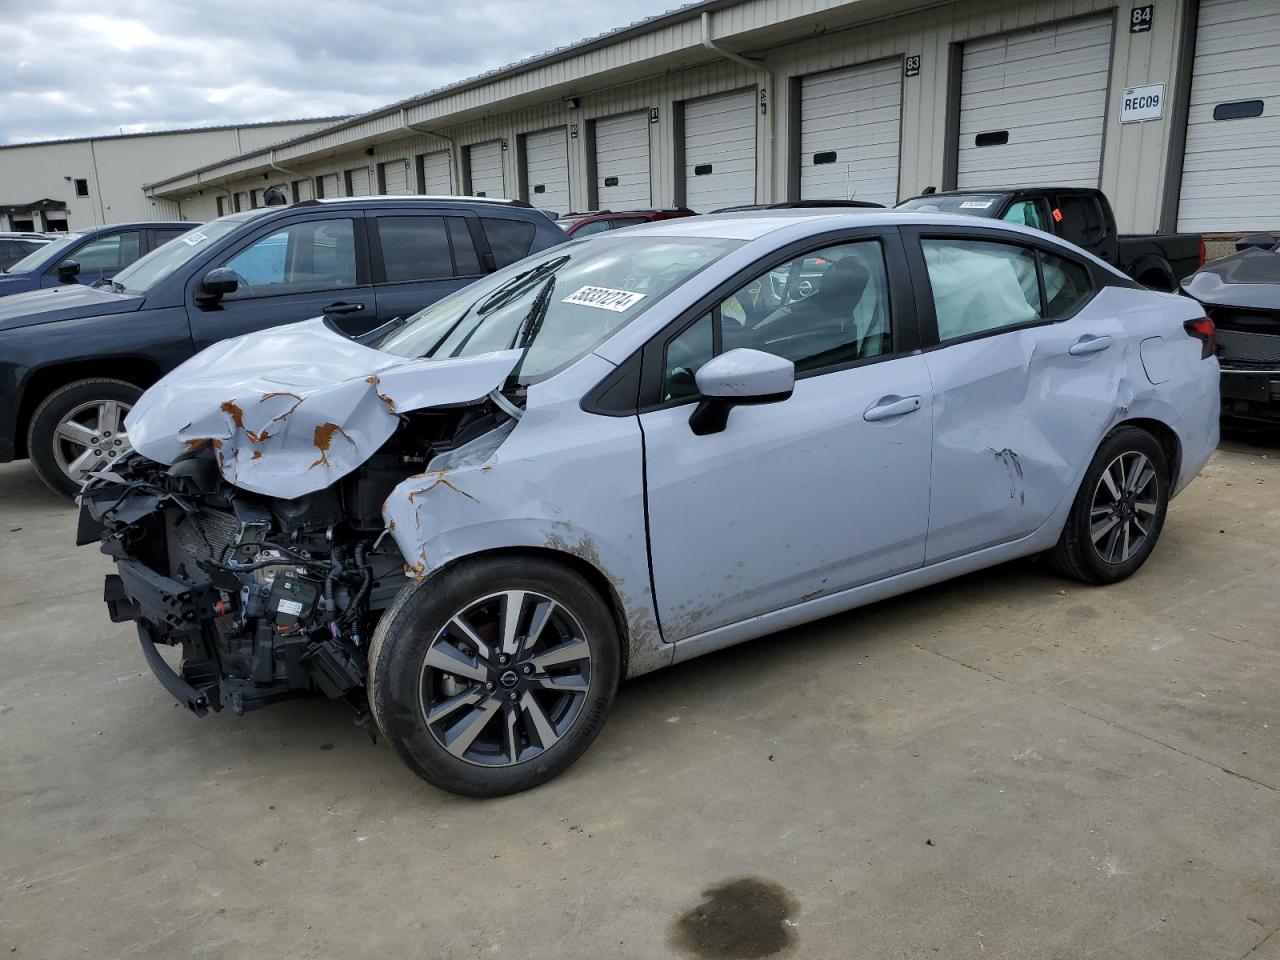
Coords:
598,221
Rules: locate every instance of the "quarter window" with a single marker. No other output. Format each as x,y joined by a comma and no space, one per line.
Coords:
509,240
304,257
1066,285
979,286
686,352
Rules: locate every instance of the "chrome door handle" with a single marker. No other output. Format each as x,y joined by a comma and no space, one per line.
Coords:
341,308
1089,344
891,406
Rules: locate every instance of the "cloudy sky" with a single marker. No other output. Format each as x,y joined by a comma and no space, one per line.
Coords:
75,69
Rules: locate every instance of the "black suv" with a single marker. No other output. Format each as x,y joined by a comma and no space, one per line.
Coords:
73,358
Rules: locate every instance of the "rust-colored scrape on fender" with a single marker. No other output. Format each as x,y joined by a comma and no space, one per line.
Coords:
374,381
281,393
323,439
235,413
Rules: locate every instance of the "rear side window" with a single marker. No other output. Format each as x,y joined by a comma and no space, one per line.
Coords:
509,240
595,226
161,237
466,261
1081,221
114,252
414,248
979,286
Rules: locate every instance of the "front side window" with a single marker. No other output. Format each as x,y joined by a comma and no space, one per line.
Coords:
107,254
559,305
980,286
46,254
1029,213
818,310
301,258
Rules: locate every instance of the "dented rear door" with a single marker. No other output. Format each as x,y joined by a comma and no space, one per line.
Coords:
1023,391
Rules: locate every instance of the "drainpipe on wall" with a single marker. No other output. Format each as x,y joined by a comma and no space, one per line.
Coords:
768,84
271,162
455,171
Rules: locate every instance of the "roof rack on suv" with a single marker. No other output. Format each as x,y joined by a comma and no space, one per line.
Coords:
499,201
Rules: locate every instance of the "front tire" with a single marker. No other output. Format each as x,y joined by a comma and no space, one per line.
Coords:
1118,511
495,675
79,428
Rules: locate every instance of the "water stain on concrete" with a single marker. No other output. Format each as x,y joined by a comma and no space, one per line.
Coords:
743,918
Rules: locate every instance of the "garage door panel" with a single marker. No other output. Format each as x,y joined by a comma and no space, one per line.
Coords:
486,169
720,141
546,157
622,154
358,182
1228,164
1047,88
395,178
854,113
437,174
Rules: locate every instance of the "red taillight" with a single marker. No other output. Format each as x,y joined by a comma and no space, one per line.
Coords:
1204,253
1204,331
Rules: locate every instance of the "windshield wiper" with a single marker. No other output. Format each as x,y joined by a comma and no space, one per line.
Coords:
532,321
517,284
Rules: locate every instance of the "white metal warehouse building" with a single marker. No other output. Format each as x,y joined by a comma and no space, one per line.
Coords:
72,184
1172,107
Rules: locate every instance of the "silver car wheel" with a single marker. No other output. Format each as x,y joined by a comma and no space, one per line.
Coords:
90,437
1125,502
505,678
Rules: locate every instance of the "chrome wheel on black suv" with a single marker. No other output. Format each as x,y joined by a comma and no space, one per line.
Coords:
78,429
494,675
1119,510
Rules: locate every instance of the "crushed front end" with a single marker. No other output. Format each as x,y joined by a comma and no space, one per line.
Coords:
266,598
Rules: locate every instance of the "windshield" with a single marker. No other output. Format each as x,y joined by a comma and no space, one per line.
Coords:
42,256
558,305
157,265
969,204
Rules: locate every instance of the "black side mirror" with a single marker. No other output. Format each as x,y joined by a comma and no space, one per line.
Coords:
217,283
68,270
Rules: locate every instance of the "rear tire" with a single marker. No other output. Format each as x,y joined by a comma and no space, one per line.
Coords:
1118,512
523,703
68,427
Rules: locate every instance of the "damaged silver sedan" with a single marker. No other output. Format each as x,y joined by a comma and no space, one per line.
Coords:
632,450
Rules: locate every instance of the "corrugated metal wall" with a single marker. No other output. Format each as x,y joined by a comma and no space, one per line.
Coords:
117,168
1134,156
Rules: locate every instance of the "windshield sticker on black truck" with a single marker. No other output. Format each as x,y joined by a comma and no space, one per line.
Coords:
192,239
604,298
976,204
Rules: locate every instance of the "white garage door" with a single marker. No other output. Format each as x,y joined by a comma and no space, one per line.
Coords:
486,169
622,162
849,125
301,190
546,164
395,177
1231,170
720,151
1033,106
327,185
437,174
358,182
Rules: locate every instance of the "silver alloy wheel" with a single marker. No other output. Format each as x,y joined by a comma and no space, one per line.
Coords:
505,678
91,437
1124,507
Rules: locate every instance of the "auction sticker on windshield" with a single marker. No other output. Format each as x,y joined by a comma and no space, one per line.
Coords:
976,204
192,239
604,298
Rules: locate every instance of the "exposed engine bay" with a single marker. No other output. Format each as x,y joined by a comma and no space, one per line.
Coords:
267,598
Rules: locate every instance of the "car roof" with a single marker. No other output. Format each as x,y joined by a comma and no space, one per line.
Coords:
413,198
99,228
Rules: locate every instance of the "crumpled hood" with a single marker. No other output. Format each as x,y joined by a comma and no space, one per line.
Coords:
70,301
292,409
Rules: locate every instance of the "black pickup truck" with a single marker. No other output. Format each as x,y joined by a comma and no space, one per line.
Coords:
1081,216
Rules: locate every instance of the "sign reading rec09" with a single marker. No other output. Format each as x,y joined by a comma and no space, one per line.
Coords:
1142,103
